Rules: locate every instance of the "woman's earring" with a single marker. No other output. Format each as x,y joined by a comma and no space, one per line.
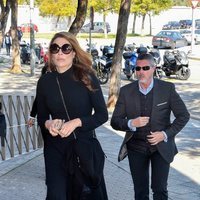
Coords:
75,60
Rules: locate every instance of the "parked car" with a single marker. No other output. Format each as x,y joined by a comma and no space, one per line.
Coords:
188,35
197,36
169,38
197,23
171,25
185,24
98,28
26,27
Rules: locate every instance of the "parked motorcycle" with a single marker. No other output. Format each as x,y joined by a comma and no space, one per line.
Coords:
156,55
25,52
130,55
91,48
103,63
101,73
176,63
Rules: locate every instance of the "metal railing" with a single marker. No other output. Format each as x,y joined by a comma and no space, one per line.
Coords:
19,137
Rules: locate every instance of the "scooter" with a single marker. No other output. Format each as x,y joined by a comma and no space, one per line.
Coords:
176,63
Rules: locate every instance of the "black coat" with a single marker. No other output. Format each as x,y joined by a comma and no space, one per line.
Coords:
81,103
165,101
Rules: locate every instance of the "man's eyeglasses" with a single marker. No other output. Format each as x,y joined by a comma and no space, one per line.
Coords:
66,48
145,68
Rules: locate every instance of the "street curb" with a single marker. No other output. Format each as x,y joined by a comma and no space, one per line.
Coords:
194,58
9,165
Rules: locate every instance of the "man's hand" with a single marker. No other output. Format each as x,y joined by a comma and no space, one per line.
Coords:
155,137
140,121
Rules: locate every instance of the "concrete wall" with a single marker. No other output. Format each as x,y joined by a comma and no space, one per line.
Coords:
173,14
48,24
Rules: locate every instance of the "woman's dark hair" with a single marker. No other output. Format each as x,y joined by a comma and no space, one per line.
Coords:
82,62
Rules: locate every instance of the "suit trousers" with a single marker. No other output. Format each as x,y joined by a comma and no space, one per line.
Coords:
139,166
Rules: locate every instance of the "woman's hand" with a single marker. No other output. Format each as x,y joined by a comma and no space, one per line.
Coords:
68,127
54,126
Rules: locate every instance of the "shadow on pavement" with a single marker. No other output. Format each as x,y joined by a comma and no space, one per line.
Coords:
27,181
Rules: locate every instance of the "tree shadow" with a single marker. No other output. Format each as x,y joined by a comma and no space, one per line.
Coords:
190,93
181,186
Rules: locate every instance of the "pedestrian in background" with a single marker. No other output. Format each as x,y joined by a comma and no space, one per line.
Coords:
19,33
8,42
143,111
72,82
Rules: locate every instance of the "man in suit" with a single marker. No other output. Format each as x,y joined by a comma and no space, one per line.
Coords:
143,111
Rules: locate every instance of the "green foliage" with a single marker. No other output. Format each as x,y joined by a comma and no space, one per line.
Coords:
105,6
143,7
180,2
62,8
54,7
23,2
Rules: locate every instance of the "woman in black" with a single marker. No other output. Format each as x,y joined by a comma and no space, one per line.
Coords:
85,104
34,111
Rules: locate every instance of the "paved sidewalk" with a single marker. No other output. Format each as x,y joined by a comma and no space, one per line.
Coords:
26,181
195,54
23,178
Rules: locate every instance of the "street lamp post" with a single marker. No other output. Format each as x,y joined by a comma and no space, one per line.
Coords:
194,5
32,40
91,27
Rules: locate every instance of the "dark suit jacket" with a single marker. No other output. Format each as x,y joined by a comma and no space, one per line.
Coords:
165,101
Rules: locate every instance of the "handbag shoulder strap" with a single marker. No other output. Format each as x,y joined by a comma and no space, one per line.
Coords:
63,101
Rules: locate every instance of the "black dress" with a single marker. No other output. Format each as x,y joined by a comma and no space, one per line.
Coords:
81,103
33,112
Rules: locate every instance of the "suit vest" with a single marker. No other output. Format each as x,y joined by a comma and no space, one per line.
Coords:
139,140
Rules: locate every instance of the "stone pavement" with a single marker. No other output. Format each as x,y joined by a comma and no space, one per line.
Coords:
23,178
26,180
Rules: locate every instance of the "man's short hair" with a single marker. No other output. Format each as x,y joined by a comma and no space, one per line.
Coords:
148,57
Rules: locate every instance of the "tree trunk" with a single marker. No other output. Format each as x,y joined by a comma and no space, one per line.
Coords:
105,28
142,28
150,25
80,17
57,20
115,80
69,22
134,23
16,64
3,19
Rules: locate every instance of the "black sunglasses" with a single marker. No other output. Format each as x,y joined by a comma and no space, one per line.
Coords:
66,48
145,68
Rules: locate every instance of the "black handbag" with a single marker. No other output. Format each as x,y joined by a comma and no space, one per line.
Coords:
88,156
